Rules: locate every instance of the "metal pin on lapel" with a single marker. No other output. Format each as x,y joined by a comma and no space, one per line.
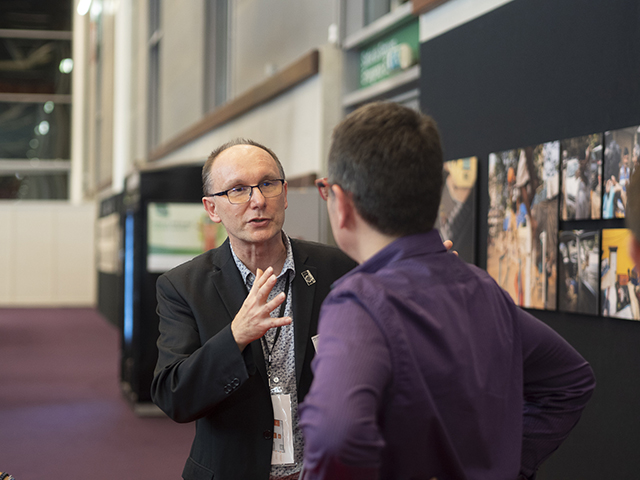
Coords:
308,277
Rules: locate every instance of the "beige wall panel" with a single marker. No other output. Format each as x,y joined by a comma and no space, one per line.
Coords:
270,34
34,247
74,260
140,61
46,254
105,168
181,66
6,253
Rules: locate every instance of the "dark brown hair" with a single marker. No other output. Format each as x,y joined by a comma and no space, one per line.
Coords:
389,157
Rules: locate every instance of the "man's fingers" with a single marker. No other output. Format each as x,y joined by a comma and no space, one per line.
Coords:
275,302
262,276
263,284
448,244
280,321
265,289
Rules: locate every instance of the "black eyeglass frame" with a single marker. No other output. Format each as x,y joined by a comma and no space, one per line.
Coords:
324,187
226,192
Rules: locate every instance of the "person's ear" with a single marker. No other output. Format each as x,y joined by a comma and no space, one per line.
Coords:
285,186
634,250
210,207
345,209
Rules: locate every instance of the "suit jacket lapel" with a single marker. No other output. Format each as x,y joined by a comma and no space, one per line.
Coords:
230,286
303,298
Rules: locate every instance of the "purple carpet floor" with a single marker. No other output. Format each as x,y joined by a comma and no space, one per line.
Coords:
62,416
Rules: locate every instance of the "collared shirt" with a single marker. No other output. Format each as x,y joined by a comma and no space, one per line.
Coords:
426,368
283,365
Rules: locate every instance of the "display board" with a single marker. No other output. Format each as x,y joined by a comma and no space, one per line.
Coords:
524,75
457,212
177,232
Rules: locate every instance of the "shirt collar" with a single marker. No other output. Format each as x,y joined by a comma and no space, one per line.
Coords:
249,277
404,247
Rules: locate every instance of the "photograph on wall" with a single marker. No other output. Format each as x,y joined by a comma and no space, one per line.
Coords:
621,157
177,232
619,276
522,243
581,197
578,271
457,213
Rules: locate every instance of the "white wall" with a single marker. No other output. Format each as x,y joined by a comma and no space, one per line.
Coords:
452,14
270,34
47,254
182,66
290,125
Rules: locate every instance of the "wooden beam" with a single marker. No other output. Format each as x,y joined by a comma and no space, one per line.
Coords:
36,34
422,6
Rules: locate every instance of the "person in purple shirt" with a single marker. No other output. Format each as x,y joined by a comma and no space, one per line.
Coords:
425,368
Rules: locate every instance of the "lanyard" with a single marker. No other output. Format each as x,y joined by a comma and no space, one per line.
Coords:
275,339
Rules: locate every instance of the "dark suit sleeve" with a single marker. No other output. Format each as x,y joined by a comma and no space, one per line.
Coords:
191,377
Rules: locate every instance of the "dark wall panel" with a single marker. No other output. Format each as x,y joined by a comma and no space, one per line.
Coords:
536,71
139,356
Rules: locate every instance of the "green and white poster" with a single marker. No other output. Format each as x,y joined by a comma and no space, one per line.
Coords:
177,232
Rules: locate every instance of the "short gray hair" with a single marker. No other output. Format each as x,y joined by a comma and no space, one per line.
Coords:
207,181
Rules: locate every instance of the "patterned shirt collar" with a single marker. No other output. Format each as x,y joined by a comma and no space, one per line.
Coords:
249,277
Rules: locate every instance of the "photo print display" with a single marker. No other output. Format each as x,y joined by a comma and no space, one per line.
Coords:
618,277
522,246
621,156
457,212
581,196
578,271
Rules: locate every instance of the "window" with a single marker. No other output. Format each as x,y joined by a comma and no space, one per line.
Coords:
155,36
374,9
217,54
35,99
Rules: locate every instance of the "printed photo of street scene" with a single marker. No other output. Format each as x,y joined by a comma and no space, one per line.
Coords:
581,197
522,244
621,157
619,277
578,271
457,214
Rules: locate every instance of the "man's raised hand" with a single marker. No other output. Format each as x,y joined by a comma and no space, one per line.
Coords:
253,320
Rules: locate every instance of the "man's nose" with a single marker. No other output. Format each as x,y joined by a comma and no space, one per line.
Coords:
257,198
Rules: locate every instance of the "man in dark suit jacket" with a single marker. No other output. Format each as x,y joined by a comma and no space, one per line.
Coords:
211,366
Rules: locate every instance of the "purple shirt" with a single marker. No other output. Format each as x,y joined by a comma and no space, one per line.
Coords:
426,368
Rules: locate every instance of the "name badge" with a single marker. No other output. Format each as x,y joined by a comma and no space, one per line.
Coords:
308,278
282,451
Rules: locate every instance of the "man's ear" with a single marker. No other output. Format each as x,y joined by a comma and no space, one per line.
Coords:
286,190
210,207
634,250
345,209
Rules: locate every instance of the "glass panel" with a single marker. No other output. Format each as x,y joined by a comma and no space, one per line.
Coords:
216,53
36,14
34,130
35,66
35,186
374,9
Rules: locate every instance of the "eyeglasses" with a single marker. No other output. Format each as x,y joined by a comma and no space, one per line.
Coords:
323,187
242,193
